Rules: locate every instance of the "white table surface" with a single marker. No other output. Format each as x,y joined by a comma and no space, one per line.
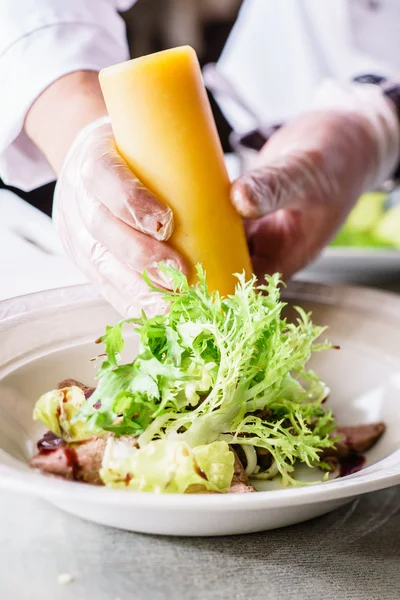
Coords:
31,257
352,554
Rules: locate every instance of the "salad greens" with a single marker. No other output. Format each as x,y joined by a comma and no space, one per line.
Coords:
213,370
57,410
168,466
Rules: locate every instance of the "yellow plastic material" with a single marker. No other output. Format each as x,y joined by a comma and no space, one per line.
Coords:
164,129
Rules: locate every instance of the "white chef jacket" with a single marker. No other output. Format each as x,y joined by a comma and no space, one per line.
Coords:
40,41
277,55
280,52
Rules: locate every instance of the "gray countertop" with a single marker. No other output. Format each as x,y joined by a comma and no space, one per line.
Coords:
352,553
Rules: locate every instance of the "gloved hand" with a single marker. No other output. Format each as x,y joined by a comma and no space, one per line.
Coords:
311,172
111,225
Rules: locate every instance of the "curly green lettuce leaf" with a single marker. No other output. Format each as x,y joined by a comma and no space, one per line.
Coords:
167,466
114,343
216,369
57,410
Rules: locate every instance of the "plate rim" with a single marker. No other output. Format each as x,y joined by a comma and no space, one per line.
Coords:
359,252
19,307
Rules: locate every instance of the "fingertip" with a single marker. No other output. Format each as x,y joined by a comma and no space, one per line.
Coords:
116,186
182,264
148,214
160,276
152,306
242,196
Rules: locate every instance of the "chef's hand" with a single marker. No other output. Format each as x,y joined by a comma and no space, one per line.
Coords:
110,224
309,175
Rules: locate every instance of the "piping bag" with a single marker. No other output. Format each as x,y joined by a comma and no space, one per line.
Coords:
164,129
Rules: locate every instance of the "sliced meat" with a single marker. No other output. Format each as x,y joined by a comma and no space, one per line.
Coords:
357,439
240,482
60,462
89,456
362,437
88,391
80,461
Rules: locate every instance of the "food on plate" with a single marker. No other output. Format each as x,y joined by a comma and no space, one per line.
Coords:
371,223
218,397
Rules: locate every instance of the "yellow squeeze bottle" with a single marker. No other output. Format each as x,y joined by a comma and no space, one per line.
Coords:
164,129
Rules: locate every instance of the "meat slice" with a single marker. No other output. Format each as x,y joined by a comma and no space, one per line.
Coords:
89,458
80,461
354,440
88,391
240,482
362,437
60,462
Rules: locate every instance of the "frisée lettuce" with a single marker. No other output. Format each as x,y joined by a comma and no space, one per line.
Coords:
213,370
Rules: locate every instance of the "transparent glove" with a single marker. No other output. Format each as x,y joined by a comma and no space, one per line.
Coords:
311,172
111,225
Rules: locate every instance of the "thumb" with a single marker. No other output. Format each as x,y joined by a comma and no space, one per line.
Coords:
284,182
104,176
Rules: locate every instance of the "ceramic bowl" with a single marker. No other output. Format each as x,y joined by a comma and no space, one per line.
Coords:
49,336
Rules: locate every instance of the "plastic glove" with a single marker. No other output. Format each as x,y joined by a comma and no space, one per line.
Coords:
312,171
111,225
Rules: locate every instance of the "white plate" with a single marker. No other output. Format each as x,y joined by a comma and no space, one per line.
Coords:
49,336
355,265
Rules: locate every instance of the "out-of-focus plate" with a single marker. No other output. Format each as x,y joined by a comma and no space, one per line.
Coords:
49,336
355,265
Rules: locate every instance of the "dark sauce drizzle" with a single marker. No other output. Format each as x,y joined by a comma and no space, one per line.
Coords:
351,464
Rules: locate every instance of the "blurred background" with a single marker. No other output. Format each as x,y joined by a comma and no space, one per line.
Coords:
154,25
